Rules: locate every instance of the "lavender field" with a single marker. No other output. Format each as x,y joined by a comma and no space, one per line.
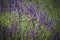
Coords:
29,20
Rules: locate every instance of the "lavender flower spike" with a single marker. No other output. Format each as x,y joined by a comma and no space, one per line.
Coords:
43,18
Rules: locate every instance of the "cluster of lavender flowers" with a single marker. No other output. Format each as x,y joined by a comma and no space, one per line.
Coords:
24,9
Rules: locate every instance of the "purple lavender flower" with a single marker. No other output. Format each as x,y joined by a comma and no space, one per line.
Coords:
25,8
16,4
49,24
42,18
32,9
11,5
40,14
32,33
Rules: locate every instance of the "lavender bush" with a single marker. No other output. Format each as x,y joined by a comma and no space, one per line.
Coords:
25,21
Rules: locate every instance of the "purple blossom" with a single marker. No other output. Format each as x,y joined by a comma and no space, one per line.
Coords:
49,24
40,14
16,4
32,9
43,18
11,5
25,8
32,33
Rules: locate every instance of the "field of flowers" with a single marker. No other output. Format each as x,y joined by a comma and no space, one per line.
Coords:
29,20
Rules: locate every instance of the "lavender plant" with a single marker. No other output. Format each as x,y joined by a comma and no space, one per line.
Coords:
25,21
